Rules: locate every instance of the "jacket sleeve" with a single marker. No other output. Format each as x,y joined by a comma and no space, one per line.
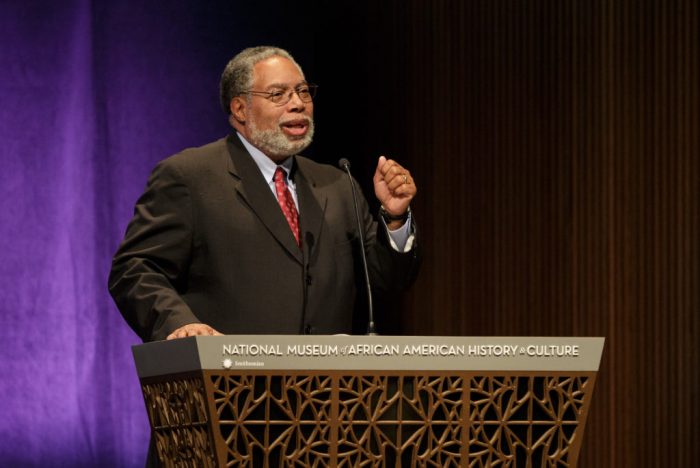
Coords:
150,267
389,270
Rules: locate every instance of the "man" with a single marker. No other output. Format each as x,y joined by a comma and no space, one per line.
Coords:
244,236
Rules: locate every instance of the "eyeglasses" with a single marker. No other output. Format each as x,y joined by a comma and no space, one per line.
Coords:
282,96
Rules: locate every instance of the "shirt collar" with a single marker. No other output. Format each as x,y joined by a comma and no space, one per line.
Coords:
266,165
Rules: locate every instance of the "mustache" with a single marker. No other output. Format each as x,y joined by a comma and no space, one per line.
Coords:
296,120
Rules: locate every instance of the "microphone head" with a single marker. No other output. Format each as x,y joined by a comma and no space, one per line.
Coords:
344,163
309,238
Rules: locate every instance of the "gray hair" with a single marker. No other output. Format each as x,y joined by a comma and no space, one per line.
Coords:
238,74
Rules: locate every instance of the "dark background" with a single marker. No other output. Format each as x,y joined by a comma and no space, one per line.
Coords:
555,145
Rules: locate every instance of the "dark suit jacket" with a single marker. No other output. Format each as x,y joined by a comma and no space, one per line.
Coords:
208,243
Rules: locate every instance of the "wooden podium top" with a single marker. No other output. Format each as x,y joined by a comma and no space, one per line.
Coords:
391,353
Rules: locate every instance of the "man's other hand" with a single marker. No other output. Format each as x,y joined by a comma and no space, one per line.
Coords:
193,329
393,186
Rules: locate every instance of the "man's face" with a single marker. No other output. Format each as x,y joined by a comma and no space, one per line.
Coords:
277,130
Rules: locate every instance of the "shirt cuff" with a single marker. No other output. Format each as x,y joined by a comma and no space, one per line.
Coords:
402,238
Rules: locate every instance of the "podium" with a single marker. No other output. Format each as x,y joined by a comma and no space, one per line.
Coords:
348,401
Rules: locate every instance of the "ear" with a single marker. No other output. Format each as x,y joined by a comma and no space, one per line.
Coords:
238,109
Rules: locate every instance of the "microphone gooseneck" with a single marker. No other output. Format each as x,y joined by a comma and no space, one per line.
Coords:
344,164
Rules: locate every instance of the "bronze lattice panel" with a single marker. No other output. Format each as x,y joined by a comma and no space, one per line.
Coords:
178,413
524,421
297,407
405,420
329,419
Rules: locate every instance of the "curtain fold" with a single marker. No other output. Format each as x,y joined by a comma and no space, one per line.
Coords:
70,395
92,95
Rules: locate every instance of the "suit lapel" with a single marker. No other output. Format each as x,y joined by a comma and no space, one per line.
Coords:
252,187
312,206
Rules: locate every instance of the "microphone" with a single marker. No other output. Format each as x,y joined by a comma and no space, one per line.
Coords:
308,246
344,164
309,240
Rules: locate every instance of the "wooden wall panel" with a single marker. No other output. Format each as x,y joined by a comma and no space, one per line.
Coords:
556,145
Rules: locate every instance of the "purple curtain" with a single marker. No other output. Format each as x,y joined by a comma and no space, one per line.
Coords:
92,95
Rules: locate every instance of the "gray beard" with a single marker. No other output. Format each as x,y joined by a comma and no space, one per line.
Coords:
275,144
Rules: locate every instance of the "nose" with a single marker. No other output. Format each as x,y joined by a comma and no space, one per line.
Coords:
295,103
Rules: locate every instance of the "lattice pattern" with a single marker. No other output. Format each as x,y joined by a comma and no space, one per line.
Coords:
377,421
299,410
404,421
177,411
524,421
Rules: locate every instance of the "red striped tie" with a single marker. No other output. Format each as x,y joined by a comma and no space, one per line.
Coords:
286,202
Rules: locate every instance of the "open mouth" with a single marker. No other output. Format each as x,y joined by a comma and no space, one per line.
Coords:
295,128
